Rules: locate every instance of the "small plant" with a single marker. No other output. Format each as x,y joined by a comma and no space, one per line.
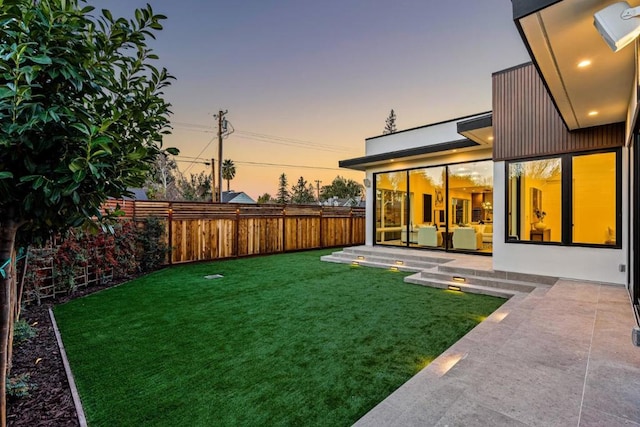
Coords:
540,214
22,331
19,386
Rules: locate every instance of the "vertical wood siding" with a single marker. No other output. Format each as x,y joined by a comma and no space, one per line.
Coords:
527,124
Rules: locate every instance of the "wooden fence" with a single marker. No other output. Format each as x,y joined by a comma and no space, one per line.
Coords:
199,231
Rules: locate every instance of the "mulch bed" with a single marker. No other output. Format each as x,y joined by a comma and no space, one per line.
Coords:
49,403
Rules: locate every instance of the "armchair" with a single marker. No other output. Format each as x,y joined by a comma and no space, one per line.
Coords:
466,238
429,236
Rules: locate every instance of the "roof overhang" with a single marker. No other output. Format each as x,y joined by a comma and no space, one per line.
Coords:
362,163
428,141
478,129
561,38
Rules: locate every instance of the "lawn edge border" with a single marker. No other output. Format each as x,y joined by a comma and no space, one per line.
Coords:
67,368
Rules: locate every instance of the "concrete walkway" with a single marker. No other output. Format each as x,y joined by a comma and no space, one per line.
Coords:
559,356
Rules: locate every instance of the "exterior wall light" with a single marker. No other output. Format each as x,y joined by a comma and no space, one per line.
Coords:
618,24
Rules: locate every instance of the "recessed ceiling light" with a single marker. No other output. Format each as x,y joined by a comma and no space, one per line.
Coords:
455,151
584,63
490,138
593,113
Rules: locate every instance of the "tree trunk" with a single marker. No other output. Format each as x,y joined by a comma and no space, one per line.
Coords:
8,230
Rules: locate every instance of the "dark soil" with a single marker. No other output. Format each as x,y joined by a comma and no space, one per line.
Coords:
49,402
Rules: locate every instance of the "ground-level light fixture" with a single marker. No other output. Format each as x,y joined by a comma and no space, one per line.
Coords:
618,24
459,279
454,288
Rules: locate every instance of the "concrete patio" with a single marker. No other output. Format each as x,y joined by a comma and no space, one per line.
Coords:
558,356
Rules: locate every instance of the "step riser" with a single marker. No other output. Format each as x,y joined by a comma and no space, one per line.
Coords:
405,268
405,257
505,275
467,289
481,281
384,260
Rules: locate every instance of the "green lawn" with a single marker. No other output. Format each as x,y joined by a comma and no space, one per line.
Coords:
280,340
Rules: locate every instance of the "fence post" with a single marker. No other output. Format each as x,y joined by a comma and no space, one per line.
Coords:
170,232
321,229
236,243
284,229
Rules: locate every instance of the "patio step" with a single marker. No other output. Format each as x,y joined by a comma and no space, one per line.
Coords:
533,279
378,261
417,279
440,271
392,253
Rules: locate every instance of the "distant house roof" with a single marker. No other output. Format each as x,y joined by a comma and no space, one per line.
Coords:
350,201
138,194
233,197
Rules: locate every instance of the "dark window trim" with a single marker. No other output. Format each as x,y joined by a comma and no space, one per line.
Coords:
567,197
446,195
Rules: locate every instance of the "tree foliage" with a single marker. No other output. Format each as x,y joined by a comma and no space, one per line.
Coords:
265,198
228,171
196,188
342,188
162,182
283,196
301,192
390,123
82,116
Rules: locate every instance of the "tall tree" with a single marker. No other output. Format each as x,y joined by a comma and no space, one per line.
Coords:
196,188
390,123
82,119
301,193
342,188
283,193
163,179
228,171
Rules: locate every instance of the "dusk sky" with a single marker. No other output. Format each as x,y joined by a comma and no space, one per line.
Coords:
305,82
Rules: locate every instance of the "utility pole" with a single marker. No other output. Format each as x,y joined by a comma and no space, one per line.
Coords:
318,188
214,193
220,117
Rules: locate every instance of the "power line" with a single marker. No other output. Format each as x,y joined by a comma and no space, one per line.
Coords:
200,153
284,165
263,137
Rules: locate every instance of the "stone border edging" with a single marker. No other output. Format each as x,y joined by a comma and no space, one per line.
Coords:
67,368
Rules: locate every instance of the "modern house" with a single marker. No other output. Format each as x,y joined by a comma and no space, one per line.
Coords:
547,182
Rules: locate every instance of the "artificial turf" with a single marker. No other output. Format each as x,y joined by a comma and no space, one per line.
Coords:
279,340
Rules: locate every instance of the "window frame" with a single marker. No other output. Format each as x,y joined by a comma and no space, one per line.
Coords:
566,193
407,172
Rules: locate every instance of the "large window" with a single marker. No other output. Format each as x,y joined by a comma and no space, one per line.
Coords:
571,199
439,207
535,200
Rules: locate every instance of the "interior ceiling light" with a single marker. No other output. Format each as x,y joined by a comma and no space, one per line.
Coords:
593,113
490,138
618,24
585,63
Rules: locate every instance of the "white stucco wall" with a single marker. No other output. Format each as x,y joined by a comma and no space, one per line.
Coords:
419,137
591,264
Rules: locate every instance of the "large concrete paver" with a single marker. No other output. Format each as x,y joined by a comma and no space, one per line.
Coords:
559,356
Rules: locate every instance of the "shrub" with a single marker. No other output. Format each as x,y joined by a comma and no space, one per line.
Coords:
19,386
153,248
22,331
